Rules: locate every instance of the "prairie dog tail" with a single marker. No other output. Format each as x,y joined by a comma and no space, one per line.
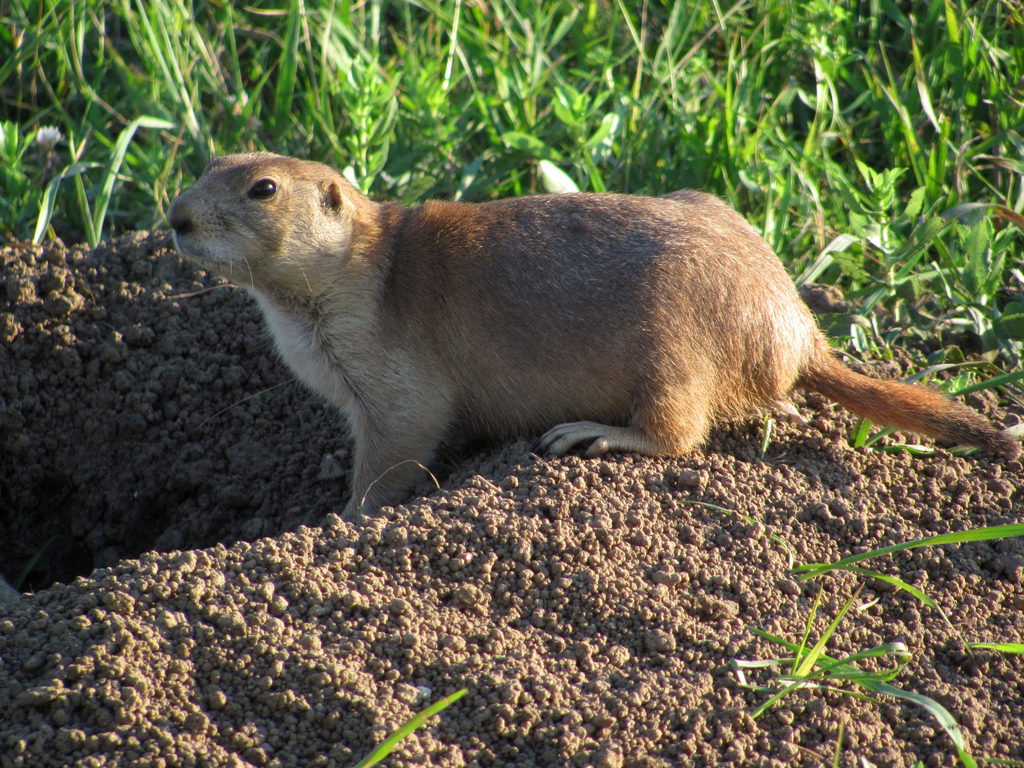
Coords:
905,406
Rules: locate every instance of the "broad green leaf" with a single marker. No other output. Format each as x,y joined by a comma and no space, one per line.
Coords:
531,145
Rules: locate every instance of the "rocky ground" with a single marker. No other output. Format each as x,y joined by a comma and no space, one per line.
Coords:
196,600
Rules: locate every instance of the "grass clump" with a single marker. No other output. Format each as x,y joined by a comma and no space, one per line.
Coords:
876,148
809,667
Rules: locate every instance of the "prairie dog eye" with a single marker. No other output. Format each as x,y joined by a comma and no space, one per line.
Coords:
264,189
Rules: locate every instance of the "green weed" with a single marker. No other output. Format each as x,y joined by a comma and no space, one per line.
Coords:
387,746
810,667
990,533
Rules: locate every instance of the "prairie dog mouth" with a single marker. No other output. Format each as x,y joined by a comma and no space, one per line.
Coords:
199,251
179,243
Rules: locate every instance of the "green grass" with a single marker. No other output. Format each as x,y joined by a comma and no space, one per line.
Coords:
995,532
387,746
876,150
809,667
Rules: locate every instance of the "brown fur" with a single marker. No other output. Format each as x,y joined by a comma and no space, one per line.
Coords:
619,322
904,406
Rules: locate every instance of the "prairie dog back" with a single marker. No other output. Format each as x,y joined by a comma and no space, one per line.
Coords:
591,295
614,322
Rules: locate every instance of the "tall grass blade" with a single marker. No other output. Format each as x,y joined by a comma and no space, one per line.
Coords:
990,533
99,212
1004,647
48,205
387,746
288,66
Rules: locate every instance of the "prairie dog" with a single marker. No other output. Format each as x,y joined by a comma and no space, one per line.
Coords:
616,322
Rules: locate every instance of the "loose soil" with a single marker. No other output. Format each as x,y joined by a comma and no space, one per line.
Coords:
198,602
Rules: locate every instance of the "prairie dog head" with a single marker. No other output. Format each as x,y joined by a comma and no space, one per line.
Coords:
273,223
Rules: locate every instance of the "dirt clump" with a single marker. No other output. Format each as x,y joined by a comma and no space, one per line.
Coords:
213,609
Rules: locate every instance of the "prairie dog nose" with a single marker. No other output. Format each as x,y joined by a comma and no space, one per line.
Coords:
180,217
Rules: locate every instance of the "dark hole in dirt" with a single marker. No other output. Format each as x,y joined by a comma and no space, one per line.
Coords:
142,407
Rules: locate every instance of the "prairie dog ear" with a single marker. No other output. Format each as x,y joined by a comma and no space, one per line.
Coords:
330,196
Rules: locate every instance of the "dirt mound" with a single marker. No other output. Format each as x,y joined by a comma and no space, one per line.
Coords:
134,414
592,607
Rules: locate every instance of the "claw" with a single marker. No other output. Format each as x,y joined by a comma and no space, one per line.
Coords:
784,410
561,438
603,438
